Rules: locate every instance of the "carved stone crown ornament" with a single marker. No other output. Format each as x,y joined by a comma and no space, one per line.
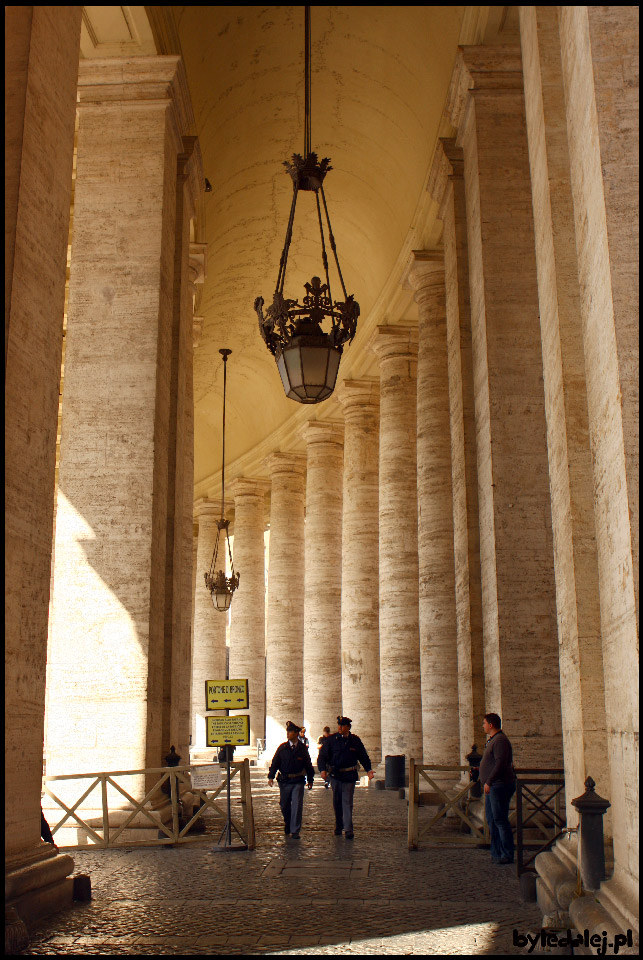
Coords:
307,358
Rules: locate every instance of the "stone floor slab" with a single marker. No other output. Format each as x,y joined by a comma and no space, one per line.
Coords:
368,896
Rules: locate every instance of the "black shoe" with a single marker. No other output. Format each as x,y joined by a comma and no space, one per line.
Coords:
349,836
287,832
505,860
338,832
295,836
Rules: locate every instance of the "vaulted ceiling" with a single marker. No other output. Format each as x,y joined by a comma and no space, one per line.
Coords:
380,77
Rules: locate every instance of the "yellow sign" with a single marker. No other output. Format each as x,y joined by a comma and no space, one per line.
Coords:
221,731
226,695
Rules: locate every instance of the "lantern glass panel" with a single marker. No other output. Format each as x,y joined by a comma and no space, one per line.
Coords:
314,361
283,373
293,365
221,600
334,357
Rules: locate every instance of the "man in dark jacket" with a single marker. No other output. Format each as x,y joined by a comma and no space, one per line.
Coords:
293,765
338,758
497,775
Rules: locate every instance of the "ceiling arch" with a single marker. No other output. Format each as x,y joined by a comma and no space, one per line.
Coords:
380,76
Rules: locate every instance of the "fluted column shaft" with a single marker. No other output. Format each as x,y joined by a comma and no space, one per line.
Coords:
518,590
396,349
107,634
39,144
438,630
323,576
599,59
447,188
209,646
247,616
570,461
360,563
285,634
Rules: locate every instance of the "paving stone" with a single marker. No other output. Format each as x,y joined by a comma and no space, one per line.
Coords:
188,900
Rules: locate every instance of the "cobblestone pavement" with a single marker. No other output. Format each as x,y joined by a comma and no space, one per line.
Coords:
191,900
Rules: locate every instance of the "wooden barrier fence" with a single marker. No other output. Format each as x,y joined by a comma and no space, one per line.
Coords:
438,797
112,836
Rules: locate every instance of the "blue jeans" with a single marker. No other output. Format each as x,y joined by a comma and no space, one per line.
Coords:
496,805
291,801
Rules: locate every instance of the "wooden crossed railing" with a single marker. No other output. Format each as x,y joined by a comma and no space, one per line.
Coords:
112,836
458,802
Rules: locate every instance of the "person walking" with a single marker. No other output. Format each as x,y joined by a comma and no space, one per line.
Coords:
320,742
338,759
499,780
303,738
293,767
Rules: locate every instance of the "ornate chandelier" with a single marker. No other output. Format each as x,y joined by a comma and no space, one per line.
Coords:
221,587
307,358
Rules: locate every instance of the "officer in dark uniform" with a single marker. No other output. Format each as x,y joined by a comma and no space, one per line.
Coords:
339,758
293,765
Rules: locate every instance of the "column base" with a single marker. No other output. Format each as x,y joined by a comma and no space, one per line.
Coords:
620,898
34,890
613,909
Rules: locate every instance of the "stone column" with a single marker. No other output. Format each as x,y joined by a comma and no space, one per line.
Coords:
360,563
438,631
247,612
178,596
446,185
599,47
39,141
209,645
486,105
105,709
285,629
396,349
323,576
570,462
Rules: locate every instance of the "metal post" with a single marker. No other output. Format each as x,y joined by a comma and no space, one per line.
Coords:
591,808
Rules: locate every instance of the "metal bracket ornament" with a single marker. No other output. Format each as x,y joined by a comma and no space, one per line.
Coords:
286,318
307,172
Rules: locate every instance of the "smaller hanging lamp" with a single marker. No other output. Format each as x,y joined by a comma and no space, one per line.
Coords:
307,358
221,587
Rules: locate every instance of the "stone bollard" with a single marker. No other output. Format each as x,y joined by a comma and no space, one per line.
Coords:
591,808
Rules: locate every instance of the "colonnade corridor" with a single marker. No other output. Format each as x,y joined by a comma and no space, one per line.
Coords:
189,900
451,535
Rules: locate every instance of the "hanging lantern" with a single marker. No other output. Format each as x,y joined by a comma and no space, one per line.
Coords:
307,357
221,587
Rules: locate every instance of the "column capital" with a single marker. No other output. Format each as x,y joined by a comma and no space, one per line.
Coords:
197,330
196,269
389,341
197,262
208,509
448,165
278,462
359,393
249,487
323,431
424,269
144,80
493,70
193,173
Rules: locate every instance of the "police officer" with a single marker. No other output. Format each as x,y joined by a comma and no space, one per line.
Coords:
338,758
293,764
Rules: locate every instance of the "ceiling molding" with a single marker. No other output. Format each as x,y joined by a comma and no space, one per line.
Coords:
164,31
